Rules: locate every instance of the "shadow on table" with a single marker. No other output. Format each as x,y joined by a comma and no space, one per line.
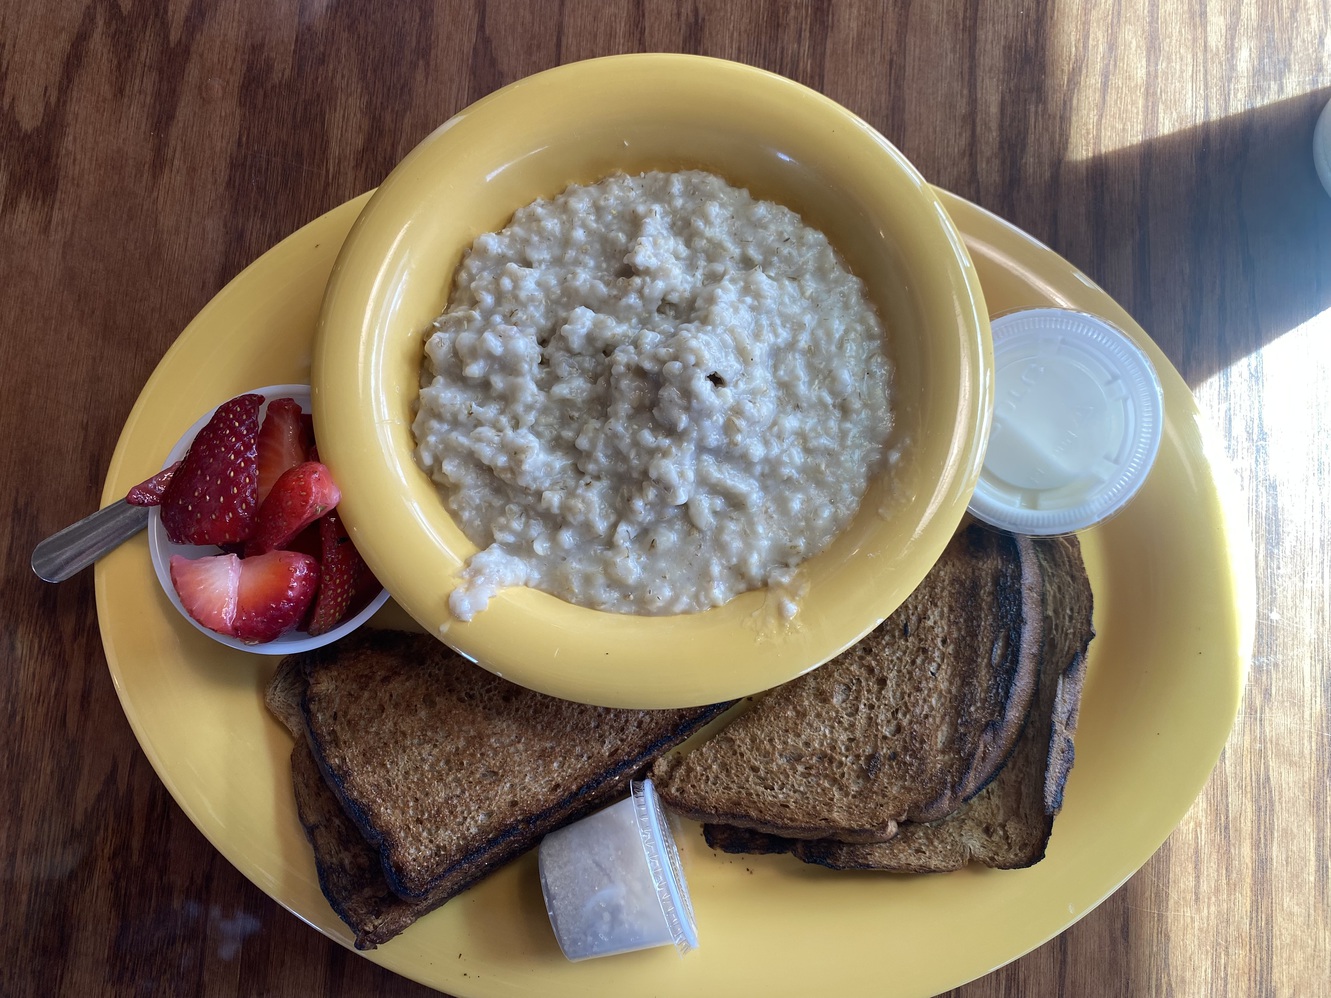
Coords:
1217,238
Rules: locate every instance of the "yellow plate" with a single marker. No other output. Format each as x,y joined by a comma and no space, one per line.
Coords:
1174,586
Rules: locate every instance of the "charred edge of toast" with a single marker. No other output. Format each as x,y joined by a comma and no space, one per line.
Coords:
820,852
1017,684
733,839
1062,752
1014,680
915,849
518,837
1063,558
346,865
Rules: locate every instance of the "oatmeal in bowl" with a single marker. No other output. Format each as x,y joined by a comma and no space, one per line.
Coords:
649,395
653,380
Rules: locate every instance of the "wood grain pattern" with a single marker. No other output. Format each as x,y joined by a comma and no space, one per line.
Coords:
150,150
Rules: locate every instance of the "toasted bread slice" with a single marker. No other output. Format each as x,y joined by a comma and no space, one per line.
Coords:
1008,824
439,771
905,726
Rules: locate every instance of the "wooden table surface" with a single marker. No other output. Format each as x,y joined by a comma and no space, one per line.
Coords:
150,150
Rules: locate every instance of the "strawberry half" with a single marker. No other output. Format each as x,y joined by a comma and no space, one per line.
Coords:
274,594
307,542
208,588
211,499
284,442
341,568
149,492
299,497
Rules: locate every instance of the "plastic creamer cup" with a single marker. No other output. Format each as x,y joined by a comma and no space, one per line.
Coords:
613,881
1078,416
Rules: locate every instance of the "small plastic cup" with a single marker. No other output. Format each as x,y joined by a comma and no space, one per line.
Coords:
1078,417
161,548
613,881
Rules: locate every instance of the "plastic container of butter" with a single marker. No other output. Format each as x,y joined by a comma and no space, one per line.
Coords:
613,882
1078,417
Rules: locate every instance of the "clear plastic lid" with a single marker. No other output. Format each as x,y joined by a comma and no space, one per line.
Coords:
663,862
1078,415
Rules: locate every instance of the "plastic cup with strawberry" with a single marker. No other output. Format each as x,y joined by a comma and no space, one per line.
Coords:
245,535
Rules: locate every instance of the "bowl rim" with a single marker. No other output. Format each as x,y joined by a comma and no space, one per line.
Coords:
536,639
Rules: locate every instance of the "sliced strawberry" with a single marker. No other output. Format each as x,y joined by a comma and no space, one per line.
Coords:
149,492
283,442
208,588
307,541
368,587
337,579
211,498
340,573
275,592
299,497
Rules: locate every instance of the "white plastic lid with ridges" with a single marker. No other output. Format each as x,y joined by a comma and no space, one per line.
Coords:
658,843
1078,414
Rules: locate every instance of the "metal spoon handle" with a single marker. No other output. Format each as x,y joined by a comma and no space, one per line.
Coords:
80,544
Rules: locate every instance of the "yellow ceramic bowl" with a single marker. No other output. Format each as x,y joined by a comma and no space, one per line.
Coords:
576,124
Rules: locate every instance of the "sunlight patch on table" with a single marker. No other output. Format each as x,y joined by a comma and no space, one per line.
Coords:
1246,61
